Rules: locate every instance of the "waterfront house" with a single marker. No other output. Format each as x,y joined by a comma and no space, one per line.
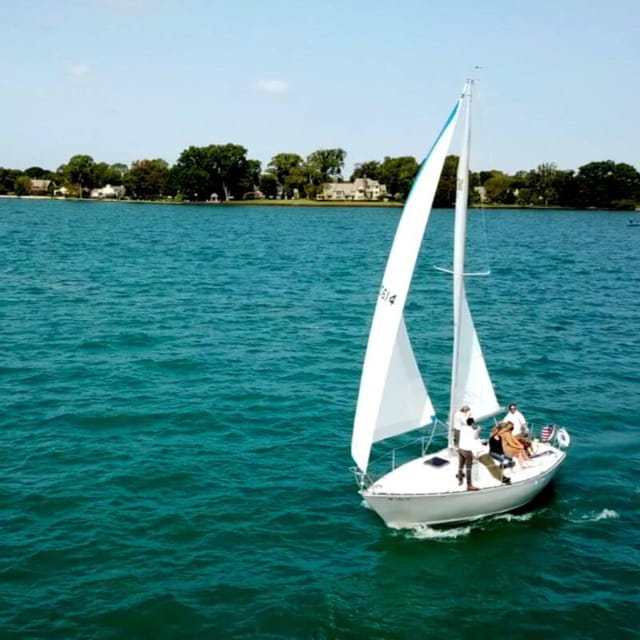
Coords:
41,187
359,189
108,192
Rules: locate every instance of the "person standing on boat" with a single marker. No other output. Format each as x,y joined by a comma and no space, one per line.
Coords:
459,420
467,444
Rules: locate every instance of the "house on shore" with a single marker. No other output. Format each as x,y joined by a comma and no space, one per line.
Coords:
42,187
253,195
482,194
108,193
359,189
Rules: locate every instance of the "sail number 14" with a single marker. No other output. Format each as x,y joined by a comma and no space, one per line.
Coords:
387,296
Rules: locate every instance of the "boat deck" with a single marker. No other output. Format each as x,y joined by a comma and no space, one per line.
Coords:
437,473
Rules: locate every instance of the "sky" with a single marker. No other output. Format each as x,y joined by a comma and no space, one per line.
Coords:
126,80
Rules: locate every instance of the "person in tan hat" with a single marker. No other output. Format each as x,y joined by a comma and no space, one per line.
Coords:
459,420
467,445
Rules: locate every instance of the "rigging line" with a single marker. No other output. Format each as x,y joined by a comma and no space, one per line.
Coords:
486,271
484,240
466,274
485,245
478,114
480,117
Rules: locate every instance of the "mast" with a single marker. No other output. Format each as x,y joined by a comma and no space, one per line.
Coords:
459,242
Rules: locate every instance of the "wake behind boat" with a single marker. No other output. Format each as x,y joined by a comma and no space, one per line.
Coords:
393,397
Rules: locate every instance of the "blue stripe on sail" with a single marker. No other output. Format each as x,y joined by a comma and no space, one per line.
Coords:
452,115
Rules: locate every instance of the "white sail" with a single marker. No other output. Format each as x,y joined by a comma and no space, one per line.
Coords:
388,346
472,385
405,401
470,381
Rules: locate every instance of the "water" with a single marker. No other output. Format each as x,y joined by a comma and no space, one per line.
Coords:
178,385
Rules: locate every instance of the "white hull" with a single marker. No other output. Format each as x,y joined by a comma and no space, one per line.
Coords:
418,493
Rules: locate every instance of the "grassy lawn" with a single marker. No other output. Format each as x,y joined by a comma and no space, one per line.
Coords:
302,202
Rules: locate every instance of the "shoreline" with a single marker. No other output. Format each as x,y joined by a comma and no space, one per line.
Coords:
308,203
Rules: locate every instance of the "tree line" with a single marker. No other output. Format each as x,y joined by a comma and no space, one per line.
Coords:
225,172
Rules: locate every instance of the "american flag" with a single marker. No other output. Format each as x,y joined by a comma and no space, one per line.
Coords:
547,432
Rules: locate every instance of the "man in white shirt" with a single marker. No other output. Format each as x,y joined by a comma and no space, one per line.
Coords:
467,444
517,420
460,420
471,446
520,430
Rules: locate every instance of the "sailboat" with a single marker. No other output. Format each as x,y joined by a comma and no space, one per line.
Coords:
393,397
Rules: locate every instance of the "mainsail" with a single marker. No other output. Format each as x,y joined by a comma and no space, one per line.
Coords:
393,398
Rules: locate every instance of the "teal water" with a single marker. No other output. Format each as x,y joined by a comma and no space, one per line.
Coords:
178,386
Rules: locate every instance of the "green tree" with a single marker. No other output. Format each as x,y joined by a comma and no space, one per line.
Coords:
228,166
485,175
540,185
8,178
282,166
269,185
36,173
190,176
104,174
79,172
300,181
446,192
369,169
398,174
249,179
221,169
22,185
146,179
119,168
326,163
605,184
172,183
566,188
498,188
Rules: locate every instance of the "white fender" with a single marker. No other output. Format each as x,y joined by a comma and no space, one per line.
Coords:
564,439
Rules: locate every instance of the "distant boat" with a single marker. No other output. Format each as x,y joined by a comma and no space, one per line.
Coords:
393,397
633,223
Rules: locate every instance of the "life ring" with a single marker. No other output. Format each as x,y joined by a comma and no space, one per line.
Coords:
564,439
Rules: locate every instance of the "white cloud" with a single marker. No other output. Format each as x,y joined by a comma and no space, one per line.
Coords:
272,86
80,70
